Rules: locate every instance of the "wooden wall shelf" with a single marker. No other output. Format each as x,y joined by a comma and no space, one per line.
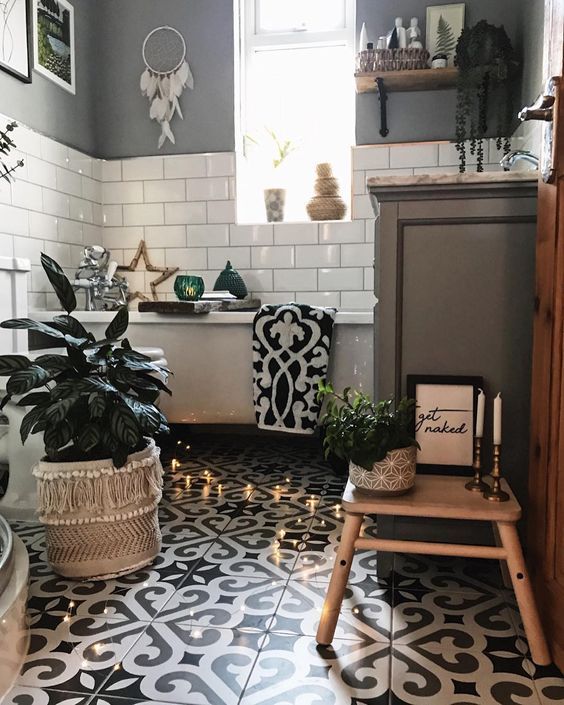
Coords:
409,80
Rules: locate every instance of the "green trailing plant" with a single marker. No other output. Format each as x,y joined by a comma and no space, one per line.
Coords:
95,401
6,146
358,429
486,64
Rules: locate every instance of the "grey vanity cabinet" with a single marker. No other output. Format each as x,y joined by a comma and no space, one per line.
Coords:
454,281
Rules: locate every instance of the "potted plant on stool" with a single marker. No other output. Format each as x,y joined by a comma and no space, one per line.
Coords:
374,438
100,482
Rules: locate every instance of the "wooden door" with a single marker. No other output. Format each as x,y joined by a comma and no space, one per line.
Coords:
546,479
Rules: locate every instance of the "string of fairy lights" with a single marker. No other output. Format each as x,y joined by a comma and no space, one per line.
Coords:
210,485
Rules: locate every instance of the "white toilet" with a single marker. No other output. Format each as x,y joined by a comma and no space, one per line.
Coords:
20,499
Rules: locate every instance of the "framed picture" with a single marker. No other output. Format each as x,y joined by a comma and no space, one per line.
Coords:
15,38
53,40
444,27
445,417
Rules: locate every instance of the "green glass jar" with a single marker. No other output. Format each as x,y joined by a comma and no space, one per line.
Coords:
230,280
188,287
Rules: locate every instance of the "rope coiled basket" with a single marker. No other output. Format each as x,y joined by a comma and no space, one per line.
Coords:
101,521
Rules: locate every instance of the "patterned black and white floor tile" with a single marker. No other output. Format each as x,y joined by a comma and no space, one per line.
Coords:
228,612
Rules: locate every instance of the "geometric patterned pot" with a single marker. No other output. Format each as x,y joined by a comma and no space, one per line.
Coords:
274,201
394,475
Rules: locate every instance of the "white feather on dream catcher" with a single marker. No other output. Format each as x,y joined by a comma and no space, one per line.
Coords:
166,75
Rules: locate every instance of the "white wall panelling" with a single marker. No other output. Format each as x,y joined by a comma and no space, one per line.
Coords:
184,207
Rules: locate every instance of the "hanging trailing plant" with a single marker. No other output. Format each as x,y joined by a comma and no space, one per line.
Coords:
486,63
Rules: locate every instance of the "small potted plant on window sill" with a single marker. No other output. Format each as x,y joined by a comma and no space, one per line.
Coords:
100,481
275,197
374,438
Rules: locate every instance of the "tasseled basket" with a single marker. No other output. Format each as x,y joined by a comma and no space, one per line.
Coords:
327,203
101,521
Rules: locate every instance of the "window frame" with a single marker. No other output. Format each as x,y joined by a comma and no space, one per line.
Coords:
249,42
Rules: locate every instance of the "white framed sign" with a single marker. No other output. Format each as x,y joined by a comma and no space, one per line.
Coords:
53,42
445,417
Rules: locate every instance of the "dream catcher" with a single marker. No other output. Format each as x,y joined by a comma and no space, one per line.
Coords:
166,76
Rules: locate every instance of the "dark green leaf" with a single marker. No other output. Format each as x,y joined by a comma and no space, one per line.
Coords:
28,324
34,399
30,420
148,416
89,437
12,363
124,427
131,355
56,437
119,456
119,324
5,400
53,363
72,326
58,411
59,282
96,405
26,380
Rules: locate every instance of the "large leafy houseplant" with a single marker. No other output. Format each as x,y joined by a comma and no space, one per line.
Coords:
362,431
97,400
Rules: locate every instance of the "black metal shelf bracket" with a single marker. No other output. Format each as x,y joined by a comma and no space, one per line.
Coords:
383,98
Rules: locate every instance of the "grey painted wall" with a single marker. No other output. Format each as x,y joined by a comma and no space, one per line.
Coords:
51,110
533,27
123,125
415,117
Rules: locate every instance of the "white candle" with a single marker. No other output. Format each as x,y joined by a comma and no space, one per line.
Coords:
497,421
480,414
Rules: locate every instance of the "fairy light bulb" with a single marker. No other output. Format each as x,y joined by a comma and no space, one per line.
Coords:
197,634
71,603
66,618
287,479
117,666
84,663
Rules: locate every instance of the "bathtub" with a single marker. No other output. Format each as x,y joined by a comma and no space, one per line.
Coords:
211,357
14,632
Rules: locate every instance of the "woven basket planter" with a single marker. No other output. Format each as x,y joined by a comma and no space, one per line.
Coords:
101,521
393,475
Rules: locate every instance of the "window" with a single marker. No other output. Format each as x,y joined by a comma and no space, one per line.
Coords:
296,85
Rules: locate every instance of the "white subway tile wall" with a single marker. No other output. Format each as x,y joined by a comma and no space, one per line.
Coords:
184,208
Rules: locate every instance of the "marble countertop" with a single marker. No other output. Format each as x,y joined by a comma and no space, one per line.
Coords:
436,179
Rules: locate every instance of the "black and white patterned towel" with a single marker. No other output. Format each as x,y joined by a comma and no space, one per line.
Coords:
291,345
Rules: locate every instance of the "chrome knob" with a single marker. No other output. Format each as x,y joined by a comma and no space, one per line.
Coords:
540,110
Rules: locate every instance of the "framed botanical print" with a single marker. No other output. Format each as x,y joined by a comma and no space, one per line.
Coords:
445,418
53,39
444,24
15,38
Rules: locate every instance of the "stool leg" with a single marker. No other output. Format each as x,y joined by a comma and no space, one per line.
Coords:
339,577
524,593
502,563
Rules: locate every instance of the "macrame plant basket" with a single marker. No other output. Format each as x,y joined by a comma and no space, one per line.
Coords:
101,521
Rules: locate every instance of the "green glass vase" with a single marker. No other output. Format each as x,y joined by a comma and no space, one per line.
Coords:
188,287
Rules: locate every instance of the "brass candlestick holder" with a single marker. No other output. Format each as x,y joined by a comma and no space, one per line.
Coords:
495,493
477,484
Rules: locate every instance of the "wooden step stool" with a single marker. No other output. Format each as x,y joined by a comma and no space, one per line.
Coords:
436,497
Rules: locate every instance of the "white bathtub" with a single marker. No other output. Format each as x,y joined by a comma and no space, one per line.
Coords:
211,357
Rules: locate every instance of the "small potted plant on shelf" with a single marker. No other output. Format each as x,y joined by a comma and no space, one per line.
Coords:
374,438
100,481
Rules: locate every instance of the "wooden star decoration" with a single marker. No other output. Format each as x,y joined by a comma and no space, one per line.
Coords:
166,272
